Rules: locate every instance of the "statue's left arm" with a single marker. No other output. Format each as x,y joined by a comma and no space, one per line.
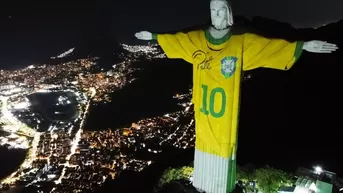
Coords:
278,54
176,46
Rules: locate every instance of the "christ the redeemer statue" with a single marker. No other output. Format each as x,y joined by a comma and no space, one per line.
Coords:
219,57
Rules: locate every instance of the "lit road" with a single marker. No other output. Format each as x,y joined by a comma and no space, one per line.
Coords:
76,140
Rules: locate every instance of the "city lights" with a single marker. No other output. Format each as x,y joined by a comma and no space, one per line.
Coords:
68,155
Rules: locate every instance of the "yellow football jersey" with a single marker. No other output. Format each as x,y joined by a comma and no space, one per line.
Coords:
217,73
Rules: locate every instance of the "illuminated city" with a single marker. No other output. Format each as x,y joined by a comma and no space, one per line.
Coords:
97,97
66,157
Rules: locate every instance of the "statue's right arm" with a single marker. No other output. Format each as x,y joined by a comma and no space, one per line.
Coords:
177,46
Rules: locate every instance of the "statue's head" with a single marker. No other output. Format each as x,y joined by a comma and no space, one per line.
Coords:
221,14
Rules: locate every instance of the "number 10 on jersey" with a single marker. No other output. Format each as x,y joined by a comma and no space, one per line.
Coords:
216,95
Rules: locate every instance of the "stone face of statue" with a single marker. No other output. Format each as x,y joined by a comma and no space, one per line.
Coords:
221,16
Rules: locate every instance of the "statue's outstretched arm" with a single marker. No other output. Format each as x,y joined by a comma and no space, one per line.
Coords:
177,46
279,54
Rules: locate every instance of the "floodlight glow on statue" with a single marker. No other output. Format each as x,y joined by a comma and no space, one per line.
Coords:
218,59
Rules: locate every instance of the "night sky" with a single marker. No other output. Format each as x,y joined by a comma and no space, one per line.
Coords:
287,109
123,18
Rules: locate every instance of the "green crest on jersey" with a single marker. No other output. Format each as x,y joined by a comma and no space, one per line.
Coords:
228,66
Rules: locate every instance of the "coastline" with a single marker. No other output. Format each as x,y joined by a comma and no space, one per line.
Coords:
31,153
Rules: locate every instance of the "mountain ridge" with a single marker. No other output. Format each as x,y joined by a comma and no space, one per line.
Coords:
262,26
105,43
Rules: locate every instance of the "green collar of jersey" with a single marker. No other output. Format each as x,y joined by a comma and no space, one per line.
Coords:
216,41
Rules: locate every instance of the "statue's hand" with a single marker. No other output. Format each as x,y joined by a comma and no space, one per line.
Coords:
317,46
144,35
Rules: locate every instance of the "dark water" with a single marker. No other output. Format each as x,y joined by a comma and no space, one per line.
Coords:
149,96
10,160
45,104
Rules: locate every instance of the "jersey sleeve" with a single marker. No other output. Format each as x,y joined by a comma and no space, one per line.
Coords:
278,54
176,46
